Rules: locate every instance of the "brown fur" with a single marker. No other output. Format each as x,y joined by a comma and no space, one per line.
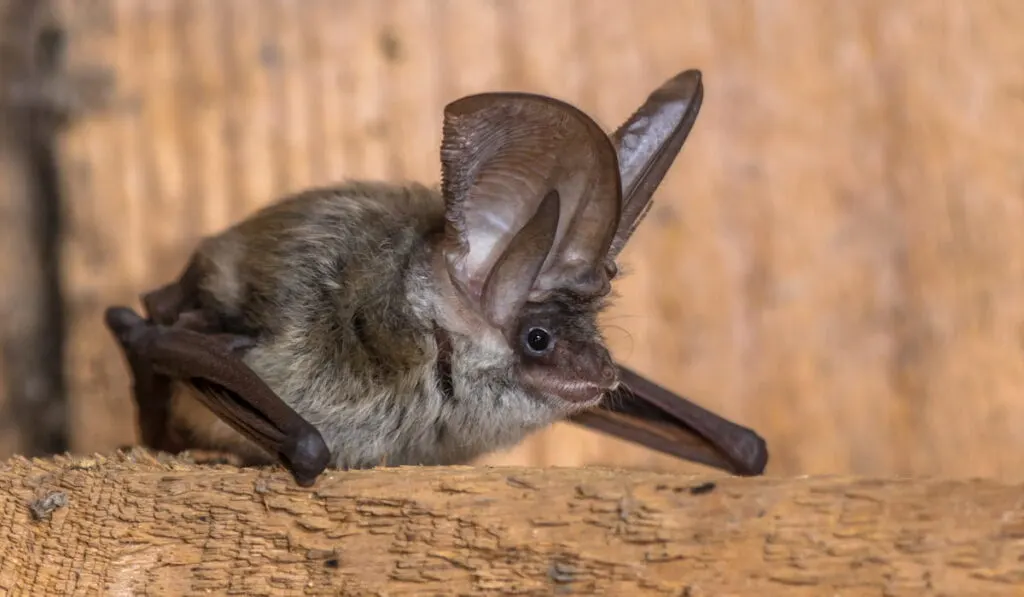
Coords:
342,289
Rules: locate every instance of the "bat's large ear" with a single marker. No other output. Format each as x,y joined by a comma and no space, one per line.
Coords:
533,199
649,141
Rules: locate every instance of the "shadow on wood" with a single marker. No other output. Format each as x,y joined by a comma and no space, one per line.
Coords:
133,524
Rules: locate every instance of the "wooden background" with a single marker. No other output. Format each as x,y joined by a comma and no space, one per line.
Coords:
835,260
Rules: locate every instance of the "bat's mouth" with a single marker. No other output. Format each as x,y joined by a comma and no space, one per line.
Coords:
571,393
579,395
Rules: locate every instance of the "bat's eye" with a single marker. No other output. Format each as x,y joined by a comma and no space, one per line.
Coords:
538,341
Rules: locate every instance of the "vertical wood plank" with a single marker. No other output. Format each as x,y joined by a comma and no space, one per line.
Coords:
32,406
111,225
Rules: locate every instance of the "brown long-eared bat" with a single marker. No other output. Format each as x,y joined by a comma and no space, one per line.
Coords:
371,323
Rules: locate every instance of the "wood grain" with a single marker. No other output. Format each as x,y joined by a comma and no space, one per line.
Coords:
133,525
834,260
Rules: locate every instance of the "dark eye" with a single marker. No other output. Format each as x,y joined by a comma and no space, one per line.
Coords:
538,341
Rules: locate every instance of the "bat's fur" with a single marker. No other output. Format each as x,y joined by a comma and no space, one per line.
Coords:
340,288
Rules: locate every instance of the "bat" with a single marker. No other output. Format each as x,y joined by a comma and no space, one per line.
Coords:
372,323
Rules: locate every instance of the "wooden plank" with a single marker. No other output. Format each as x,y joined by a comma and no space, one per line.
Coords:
833,260
173,529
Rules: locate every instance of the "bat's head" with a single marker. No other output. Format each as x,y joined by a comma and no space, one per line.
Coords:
539,202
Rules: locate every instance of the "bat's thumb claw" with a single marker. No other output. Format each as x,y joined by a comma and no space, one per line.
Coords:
751,453
126,324
307,455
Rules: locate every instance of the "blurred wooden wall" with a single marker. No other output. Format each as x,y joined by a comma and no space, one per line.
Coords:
835,260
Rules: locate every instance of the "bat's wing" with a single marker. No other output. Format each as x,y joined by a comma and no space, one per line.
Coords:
645,413
180,344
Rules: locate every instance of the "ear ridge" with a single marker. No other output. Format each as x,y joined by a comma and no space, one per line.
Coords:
502,155
508,286
649,141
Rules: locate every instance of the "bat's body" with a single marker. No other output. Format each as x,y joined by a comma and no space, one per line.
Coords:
370,324
371,355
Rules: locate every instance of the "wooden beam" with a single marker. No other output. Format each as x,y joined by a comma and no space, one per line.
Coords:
135,523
